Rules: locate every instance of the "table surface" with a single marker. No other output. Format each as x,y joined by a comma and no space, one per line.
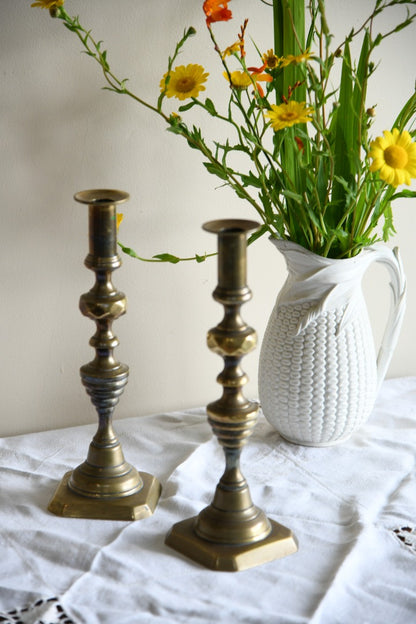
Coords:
352,508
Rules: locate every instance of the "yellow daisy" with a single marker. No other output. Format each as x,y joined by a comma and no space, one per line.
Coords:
292,59
239,79
119,218
242,80
394,156
185,81
232,49
48,4
289,114
270,59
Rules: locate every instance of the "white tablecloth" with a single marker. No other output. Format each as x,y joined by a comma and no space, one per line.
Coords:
352,508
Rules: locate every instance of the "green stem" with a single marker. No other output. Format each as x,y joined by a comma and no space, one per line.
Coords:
172,259
115,83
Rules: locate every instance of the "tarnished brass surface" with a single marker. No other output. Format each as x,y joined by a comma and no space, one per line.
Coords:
104,485
134,507
229,558
232,533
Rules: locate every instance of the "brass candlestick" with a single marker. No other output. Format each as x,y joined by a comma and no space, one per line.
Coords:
104,486
232,533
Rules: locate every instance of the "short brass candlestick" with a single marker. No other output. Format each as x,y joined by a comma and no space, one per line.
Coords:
232,533
104,486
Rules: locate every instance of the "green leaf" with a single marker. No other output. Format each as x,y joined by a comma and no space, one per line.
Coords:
359,98
249,136
240,192
186,107
342,239
388,227
289,38
408,111
251,180
313,217
237,148
264,229
209,105
291,195
216,170
128,250
404,193
166,257
279,225
70,27
88,53
343,129
177,129
267,206
322,181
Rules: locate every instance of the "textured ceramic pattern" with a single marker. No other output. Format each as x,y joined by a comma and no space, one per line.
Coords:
318,373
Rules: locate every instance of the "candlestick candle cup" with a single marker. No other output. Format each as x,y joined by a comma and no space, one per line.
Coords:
232,533
104,486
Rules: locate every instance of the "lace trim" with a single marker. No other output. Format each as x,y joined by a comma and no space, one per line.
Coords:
407,536
47,611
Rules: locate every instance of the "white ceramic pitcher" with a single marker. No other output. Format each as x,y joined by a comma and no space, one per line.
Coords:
318,371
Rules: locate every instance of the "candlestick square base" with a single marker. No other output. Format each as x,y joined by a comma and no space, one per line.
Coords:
142,504
231,558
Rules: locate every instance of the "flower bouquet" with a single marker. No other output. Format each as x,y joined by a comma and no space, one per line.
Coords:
311,170
300,151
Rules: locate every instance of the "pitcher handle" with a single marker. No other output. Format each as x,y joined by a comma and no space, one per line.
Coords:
391,258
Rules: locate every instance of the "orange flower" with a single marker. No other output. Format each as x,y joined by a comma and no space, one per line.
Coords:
257,75
258,70
241,36
299,143
217,11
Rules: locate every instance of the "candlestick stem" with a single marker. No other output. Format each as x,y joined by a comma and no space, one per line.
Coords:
104,485
232,533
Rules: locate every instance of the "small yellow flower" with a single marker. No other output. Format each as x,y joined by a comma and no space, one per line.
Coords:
232,49
394,156
289,114
242,80
48,4
175,118
239,79
270,59
119,217
185,81
292,59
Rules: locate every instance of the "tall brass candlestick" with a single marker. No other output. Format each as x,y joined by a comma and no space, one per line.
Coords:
232,533
104,486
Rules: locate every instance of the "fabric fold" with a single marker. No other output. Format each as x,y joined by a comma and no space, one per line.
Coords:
347,505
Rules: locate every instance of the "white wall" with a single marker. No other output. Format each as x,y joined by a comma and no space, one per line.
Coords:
59,133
